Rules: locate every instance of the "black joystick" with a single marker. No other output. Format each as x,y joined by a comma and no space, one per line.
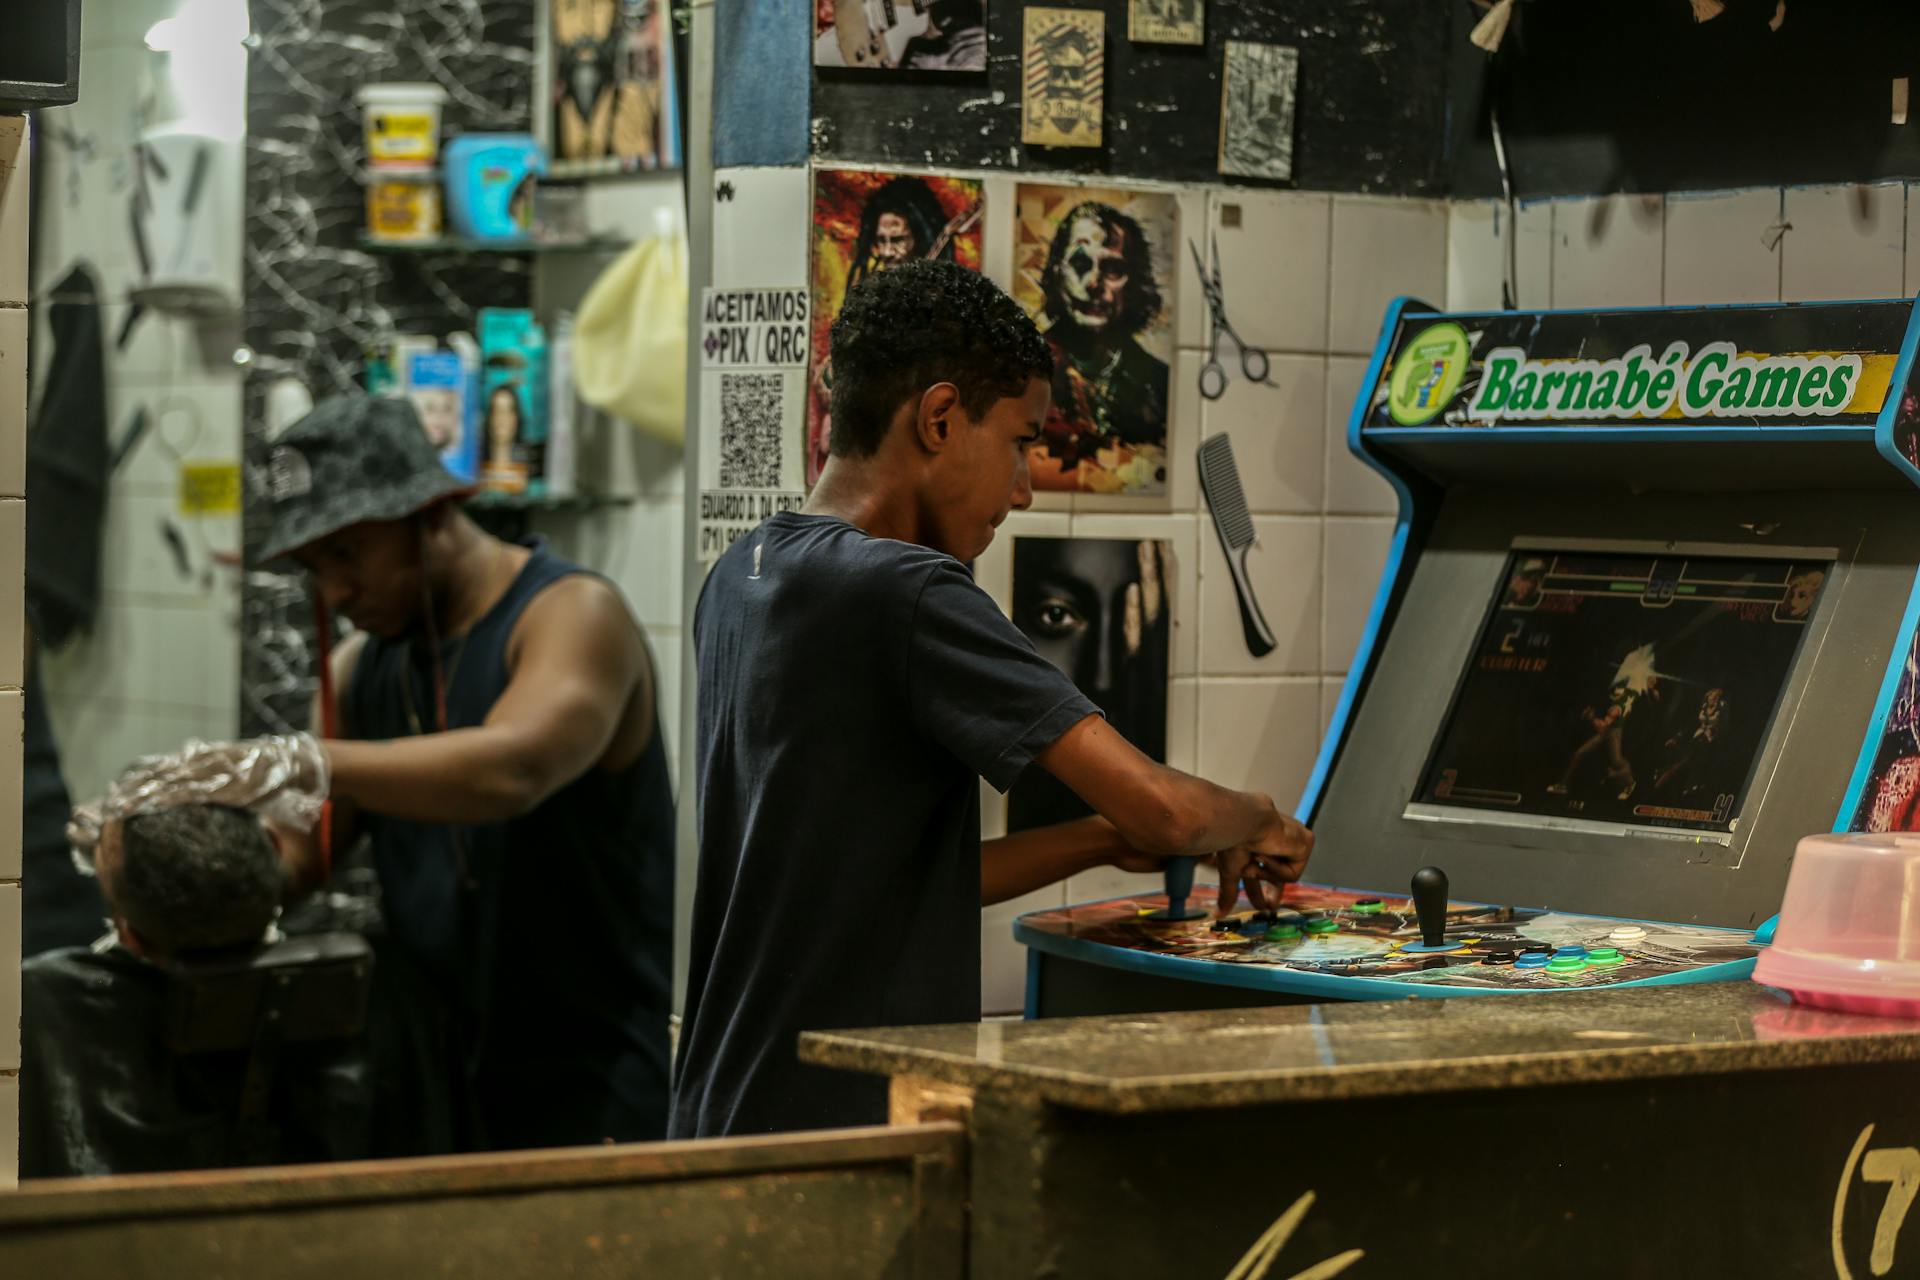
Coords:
1179,876
1430,905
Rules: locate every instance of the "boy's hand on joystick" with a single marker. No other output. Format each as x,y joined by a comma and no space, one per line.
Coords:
1277,858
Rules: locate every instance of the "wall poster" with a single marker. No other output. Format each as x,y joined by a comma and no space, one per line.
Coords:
865,222
615,109
1063,73
1256,110
1167,21
1095,269
900,35
1101,610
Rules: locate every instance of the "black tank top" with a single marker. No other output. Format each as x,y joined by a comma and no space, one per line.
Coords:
549,934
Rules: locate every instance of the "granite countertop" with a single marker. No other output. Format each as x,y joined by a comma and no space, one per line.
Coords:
1236,1057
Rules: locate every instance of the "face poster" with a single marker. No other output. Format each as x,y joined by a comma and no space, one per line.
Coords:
1095,270
864,223
1100,610
894,35
1167,21
1063,75
614,106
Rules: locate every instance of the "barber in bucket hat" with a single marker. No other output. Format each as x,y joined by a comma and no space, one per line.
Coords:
491,724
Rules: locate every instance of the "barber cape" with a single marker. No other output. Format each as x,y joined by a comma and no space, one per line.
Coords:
101,1092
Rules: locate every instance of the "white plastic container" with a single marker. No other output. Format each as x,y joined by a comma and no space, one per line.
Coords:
1849,931
402,123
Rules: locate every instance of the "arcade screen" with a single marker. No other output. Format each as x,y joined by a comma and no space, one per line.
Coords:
1623,689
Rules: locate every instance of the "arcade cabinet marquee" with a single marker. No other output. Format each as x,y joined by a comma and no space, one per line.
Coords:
1648,618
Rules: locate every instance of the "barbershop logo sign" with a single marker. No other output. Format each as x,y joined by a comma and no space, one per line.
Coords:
1718,381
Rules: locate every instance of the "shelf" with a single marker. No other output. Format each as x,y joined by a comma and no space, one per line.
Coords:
597,244
523,502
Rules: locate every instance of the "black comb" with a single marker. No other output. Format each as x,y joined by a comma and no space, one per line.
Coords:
1220,481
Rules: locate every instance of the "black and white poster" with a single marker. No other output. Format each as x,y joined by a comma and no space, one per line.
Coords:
1256,110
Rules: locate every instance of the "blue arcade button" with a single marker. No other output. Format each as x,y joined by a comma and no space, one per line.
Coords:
1532,960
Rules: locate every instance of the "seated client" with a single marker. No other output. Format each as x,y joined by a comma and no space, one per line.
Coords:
101,1090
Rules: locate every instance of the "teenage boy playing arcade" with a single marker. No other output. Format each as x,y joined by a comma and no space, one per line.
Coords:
855,684
494,729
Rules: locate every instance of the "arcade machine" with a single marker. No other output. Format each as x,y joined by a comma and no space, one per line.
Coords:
1647,620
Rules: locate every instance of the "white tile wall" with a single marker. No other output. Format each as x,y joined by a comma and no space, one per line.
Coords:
1478,232
1912,272
9,1128
1353,487
12,728
1279,432
139,560
997,221
760,235
1382,249
14,173
100,737
1723,247
1607,251
1261,735
160,633
1845,242
1356,556
1284,568
1273,269
13,400
13,592
9,986
1190,314
189,419
1183,725
140,661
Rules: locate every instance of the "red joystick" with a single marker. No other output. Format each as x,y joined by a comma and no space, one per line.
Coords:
1430,905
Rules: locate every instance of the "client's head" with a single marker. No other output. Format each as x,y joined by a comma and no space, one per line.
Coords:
193,878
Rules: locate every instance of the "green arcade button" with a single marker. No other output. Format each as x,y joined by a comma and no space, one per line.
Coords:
1321,927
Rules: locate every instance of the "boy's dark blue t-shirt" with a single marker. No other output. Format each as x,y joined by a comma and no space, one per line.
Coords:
851,691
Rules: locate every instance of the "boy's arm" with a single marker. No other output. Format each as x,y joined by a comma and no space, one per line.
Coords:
1165,813
1029,860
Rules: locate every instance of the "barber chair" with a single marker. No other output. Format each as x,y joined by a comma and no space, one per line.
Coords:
268,1003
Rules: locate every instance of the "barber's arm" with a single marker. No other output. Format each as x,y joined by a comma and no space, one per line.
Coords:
345,659
576,659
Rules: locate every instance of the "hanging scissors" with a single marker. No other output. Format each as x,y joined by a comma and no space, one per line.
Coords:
1253,361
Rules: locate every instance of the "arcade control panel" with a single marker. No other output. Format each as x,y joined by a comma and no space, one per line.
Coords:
1422,939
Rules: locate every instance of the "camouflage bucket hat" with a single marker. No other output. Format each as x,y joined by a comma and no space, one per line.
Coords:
353,459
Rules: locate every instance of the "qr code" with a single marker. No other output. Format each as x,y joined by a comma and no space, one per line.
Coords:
750,427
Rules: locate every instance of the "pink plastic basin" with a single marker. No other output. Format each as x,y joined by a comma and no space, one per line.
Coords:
1849,931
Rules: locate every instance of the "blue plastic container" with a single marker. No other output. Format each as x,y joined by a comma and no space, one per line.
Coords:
490,179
